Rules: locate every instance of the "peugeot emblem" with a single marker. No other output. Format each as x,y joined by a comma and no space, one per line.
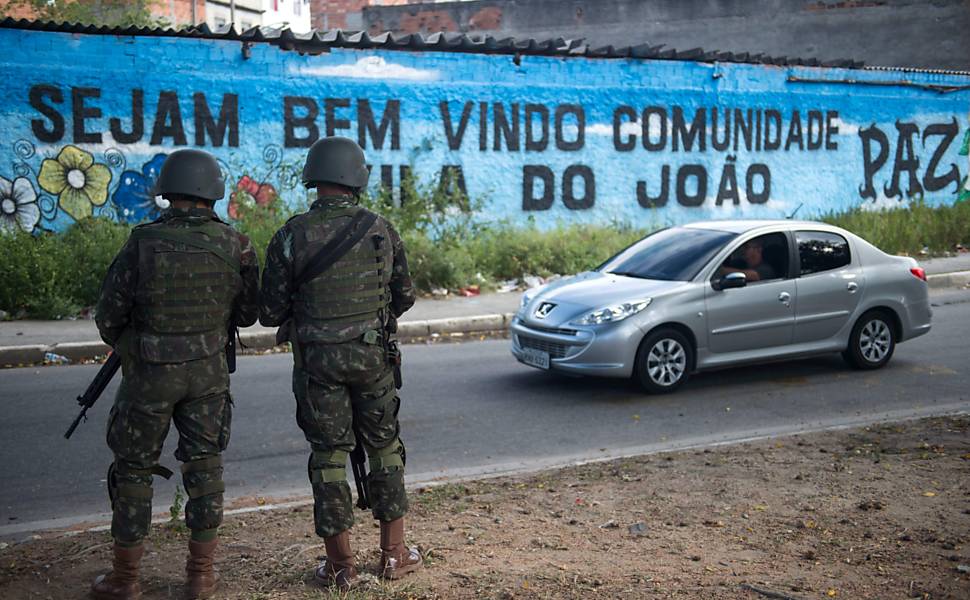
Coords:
544,309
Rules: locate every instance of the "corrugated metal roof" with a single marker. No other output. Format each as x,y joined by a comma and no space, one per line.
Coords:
322,41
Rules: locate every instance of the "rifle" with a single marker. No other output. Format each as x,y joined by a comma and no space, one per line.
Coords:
231,347
94,391
357,458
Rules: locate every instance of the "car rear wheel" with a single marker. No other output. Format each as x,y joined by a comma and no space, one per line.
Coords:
872,342
664,360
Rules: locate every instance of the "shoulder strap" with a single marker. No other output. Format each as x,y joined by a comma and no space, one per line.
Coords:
340,244
188,239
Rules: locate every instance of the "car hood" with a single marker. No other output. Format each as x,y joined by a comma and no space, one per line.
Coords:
574,296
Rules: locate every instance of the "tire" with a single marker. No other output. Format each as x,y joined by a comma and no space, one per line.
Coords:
664,361
872,341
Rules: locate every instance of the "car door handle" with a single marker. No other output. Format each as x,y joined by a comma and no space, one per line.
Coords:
785,298
852,287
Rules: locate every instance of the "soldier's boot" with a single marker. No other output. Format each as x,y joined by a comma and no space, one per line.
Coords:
122,582
337,569
201,577
397,560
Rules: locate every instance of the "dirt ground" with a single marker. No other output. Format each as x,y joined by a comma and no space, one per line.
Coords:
881,512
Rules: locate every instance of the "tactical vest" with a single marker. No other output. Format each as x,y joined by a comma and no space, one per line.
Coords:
351,297
188,280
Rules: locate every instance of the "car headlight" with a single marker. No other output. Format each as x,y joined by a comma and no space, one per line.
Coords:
528,295
612,314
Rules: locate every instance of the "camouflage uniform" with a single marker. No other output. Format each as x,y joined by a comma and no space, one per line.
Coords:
165,307
341,376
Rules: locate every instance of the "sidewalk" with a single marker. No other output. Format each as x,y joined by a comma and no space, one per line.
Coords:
24,342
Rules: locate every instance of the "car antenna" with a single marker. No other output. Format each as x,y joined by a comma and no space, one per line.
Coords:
794,212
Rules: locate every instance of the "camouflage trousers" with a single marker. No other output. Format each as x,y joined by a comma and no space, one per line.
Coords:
341,386
195,396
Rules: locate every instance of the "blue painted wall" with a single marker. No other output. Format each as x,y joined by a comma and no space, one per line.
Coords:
87,119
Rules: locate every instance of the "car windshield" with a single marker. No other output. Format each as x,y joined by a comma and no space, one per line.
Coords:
675,254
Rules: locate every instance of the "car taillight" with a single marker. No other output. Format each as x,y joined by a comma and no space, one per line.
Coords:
918,272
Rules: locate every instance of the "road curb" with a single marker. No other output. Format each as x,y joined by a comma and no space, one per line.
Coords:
949,280
12,356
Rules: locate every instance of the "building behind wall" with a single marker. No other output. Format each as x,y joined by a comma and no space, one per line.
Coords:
280,14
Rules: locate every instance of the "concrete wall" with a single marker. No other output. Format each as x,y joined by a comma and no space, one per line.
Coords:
548,140
907,33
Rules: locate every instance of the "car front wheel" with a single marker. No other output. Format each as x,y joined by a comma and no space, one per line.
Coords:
663,361
872,341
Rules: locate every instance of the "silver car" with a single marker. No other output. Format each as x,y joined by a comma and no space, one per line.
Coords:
722,293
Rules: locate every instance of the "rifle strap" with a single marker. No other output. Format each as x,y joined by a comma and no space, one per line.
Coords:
184,237
340,244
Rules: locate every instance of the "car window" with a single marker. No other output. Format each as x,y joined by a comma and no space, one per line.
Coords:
762,258
821,251
675,254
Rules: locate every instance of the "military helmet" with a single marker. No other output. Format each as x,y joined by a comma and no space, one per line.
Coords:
335,160
191,173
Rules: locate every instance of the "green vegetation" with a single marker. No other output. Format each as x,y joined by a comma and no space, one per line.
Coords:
909,229
111,13
49,276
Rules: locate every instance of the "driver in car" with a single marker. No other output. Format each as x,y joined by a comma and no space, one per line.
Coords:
756,268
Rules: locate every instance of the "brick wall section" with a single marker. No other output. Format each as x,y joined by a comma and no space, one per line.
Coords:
333,14
160,8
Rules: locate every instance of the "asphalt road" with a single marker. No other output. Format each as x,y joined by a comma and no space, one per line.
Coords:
469,409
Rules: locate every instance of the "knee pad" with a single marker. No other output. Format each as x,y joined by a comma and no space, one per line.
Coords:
391,456
322,467
121,484
203,477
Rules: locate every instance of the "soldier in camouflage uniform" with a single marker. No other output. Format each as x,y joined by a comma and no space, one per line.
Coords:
339,323
165,307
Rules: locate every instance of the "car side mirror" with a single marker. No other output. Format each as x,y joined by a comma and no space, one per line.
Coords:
732,280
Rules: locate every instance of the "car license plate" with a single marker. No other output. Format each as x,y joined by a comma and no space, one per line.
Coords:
535,358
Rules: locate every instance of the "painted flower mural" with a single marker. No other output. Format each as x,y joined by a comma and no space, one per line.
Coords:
135,196
77,181
18,205
248,193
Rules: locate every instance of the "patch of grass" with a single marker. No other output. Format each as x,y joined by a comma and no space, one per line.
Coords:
909,229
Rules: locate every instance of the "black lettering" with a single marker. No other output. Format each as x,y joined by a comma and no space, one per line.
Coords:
871,166
137,121
773,117
758,170
742,128
699,173
391,119
531,173
330,106
661,113
228,120
688,136
795,132
906,162
56,130
291,122
831,129
816,130
168,120
589,187
561,112
503,129
660,200
80,113
623,114
387,177
531,143
452,183
720,145
931,181
728,188
408,191
482,126
454,138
